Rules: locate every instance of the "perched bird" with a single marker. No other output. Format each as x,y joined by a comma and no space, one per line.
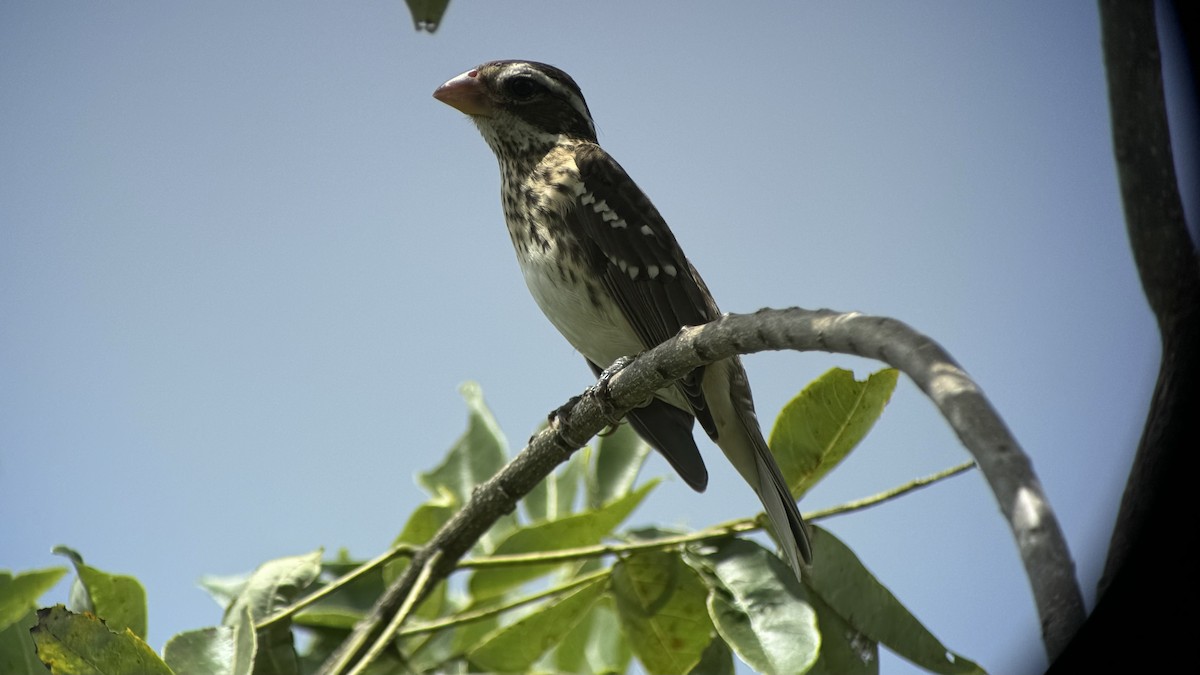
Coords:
606,270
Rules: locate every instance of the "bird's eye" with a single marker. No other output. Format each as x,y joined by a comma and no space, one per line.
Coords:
522,87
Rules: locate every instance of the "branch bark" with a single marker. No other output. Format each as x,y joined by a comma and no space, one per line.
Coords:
1165,255
1007,469
1145,568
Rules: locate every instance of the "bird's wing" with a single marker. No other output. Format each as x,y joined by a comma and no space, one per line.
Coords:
642,265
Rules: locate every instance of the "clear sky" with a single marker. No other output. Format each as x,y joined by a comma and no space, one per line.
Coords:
246,260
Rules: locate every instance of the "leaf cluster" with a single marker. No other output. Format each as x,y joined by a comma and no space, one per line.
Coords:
555,587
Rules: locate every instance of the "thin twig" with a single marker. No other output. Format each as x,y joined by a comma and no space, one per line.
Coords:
385,638
331,587
720,531
480,614
888,495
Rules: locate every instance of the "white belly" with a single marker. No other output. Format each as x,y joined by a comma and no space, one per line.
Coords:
600,333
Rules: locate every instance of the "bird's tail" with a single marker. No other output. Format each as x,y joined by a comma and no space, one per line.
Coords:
782,511
740,437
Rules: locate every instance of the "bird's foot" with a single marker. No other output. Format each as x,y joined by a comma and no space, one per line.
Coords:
600,393
560,414
558,418
603,396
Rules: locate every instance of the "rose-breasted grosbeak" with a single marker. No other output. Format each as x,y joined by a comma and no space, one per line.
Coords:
607,272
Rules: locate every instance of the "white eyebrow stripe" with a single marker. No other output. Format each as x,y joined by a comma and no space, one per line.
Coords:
561,90
581,108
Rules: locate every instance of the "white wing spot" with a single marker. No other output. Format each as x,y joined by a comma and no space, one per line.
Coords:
579,189
610,215
620,225
587,198
647,231
633,271
600,206
670,270
622,264
652,271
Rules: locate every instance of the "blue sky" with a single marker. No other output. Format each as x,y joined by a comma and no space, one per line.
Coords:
246,260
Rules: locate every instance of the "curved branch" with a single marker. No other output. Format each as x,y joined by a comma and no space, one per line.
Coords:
1004,464
1007,469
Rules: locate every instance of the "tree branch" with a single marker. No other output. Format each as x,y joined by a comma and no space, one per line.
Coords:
1165,255
1008,471
1144,566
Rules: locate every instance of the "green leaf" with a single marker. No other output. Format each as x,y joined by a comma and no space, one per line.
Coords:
514,648
554,497
19,594
17,655
217,650
428,518
80,644
618,459
224,588
463,638
717,659
844,650
595,645
433,646
322,643
651,532
427,14
117,598
272,586
349,603
475,457
78,599
758,606
582,529
431,652
816,430
841,580
661,603
275,652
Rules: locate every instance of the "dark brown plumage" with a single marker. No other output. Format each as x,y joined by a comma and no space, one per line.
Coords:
606,270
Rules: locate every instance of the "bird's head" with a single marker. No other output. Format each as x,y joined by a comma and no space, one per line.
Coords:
520,103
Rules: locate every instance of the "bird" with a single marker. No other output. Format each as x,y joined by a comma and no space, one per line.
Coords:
608,273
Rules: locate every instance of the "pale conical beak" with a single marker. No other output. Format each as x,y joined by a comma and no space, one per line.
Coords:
465,93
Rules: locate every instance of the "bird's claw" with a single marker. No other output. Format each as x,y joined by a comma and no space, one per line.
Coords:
600,392
603,396
562,412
